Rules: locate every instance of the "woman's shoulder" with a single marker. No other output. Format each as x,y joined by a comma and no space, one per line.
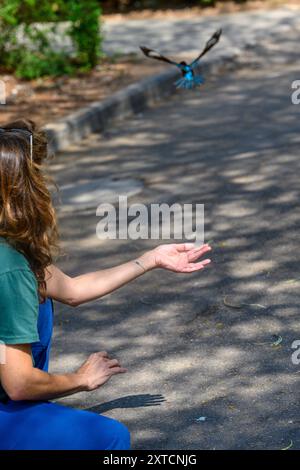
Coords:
11,259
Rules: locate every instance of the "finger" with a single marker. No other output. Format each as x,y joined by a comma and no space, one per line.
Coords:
205,246
196,266
201,263
197,253
102,354
117,370
184,246
201,248
192,257
113,363
97,355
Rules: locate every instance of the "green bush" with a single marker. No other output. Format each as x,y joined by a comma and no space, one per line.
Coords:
36,57
84,16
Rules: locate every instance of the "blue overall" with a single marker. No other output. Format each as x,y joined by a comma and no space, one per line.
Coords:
43,425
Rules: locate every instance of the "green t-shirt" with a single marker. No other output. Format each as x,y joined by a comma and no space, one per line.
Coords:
19,303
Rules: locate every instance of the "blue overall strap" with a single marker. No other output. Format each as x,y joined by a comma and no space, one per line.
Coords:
41,349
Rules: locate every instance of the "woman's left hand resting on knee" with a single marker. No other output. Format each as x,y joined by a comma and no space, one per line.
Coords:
22,381
74,291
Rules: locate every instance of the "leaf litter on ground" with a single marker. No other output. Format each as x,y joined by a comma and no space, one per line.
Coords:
289,446
229,302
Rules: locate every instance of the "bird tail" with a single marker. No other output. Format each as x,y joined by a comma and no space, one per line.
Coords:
189,84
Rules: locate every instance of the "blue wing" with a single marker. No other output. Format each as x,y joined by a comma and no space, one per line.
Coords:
209,45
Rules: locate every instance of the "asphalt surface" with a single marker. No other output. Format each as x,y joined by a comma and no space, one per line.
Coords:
233,146
184,36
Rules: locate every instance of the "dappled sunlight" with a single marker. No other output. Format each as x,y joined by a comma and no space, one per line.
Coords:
256,329
250,268
168,34
235,148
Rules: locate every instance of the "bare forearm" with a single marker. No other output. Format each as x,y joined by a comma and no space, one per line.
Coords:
94,285
21,381
43,386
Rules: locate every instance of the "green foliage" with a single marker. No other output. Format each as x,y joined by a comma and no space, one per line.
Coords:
34,65
85,32
34,56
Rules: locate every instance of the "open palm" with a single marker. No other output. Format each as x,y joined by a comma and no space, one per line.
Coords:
181,258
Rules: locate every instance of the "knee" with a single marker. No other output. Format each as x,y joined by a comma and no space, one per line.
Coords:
121,439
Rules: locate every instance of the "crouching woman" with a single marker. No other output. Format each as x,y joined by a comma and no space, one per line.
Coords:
29,280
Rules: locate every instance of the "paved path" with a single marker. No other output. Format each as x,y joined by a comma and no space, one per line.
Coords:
233,146
176,36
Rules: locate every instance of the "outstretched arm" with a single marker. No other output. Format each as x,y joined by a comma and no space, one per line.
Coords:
181,258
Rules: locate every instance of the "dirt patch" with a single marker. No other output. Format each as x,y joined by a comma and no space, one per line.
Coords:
46,100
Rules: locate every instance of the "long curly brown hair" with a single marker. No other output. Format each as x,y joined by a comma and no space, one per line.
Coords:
27,217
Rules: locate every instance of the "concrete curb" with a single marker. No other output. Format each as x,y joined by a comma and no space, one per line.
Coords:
100,115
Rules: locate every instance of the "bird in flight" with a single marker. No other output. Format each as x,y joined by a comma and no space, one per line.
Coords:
188,80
